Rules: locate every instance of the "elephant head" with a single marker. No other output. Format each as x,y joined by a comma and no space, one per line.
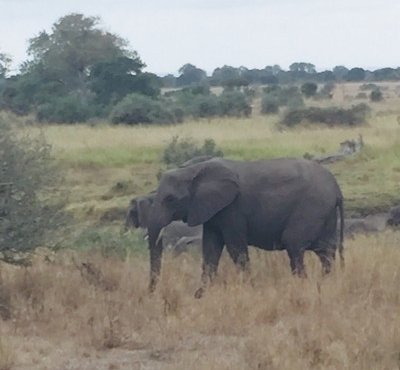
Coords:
193,194
139,212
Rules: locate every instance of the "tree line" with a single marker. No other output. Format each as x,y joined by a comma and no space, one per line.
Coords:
78,71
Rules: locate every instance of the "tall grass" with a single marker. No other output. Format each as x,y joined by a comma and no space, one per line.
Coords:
348,320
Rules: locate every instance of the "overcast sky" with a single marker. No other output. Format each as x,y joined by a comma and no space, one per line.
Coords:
211,33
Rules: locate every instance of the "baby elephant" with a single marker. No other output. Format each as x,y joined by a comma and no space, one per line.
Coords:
177,236
373,223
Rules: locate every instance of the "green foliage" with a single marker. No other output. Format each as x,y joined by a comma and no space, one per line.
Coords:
136,108
71,108
376,95
113,79
330,116
75,68
356,74
178,151
190,75
29,213
309,89
234,103
276,96
269,104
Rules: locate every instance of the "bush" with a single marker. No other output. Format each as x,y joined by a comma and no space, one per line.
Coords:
178,151
269,104
376,95
67,109
136,108
330,116
309,89
29,211
234,103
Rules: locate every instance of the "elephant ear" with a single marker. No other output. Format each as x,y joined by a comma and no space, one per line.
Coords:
213,188
143,211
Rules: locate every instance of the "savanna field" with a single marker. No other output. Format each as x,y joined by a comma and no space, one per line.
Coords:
86,306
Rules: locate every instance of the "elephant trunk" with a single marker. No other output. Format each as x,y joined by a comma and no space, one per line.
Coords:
156,248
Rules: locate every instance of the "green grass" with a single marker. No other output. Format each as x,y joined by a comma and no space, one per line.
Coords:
97,158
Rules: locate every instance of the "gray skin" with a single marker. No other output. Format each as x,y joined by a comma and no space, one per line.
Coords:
394,216
369,224
372,223
177,236
281,204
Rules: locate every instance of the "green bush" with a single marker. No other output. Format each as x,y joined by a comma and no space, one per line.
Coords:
376,95
276,96
136,108
269,104
178,151
67,109
330,116
234,103
309,89
30,207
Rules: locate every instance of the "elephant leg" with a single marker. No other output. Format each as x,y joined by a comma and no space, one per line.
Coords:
239,256
213,244
296,257
326,254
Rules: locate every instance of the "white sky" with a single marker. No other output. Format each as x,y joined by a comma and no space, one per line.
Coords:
211,33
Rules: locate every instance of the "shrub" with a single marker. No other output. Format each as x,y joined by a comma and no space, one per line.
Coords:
29,209
309,89
71,108
234,103
178,151
376,95
330,116
269,104
136,108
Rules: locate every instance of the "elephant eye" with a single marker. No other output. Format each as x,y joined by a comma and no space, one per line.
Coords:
170,198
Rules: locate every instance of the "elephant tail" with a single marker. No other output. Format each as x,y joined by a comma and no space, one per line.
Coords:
341,215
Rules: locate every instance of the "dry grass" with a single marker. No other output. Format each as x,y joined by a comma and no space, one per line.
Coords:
99,315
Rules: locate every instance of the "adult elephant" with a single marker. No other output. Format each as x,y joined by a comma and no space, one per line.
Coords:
177,235
279,204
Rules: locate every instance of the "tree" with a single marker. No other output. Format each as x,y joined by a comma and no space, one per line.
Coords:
224,76
5,61
112,80
190,75
302,67
76,66
75,44
340,72
356,74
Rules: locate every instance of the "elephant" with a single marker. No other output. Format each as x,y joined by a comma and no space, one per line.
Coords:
176,236
277,204
394,216
369,224
372,223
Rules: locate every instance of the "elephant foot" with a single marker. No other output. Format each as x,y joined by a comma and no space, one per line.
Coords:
199,293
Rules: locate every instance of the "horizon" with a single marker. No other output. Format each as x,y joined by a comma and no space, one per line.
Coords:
215,33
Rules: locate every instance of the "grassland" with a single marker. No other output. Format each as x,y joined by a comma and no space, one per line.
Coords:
87,307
